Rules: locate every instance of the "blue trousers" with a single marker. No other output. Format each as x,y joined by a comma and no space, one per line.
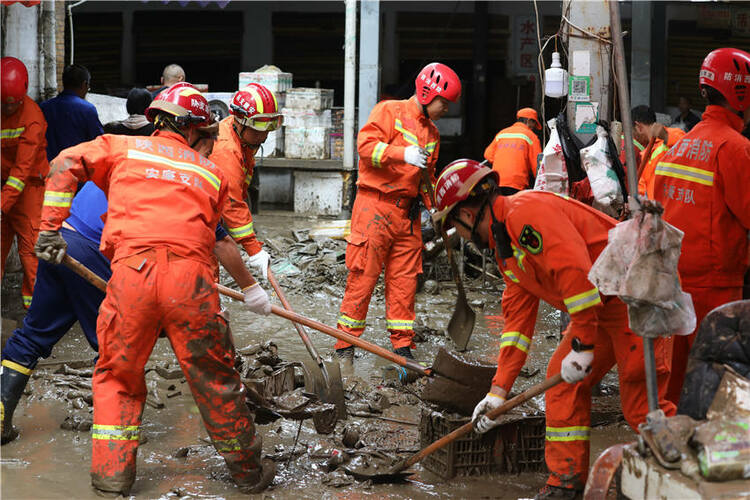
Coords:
61,298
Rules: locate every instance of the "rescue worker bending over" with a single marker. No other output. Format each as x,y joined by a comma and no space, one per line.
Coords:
513,152
645,127
165,200
62,297
704,184
545,245
255,113
24,166
397,142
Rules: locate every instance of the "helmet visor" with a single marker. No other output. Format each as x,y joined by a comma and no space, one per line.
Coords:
267,123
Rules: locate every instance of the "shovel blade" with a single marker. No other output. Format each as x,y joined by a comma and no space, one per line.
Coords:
330,391
464,382
461,324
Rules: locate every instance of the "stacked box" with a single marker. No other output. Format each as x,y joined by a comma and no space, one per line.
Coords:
307,123
304,118
276,82
337,133
307,143
273,146
309,98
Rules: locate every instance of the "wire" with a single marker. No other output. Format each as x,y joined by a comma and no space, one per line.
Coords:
540,67
70,18
585,32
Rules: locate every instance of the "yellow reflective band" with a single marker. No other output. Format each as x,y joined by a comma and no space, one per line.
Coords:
399,324
510,275
431,146
207,175
15,182
16,367
583,300
513,136
241,232
377,154
563,196
187,92
11,133
640,146
519,255
661,149
515,339
26,300
248,179
227,445
57,199
345,320
575,433
408,136
115,432
691,174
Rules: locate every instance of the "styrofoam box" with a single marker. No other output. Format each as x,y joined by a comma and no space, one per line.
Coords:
311,143
305,118
319,193
309,98
273,145
275,82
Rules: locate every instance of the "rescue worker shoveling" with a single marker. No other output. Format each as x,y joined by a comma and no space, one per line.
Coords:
545,244
165,200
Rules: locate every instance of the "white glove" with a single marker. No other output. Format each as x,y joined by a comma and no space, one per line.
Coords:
256,300
260,261
576,365
414,155
481,422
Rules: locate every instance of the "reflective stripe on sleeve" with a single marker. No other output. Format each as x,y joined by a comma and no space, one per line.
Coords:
16,183
661,149
399,324
115,432
345,320
377,154
408,136
11,133
691,174
57,199
513,136
431,146
241,232
515,339
510,275
574,433
583,300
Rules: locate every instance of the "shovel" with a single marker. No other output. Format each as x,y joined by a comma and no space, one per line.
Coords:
461,324
398,471
330,389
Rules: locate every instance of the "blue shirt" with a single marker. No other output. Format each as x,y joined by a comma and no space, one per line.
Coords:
70,121
88,207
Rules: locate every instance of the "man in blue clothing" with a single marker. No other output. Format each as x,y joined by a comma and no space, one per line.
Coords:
70,118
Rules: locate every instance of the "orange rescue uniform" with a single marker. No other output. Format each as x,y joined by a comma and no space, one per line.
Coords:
703,183
236,162
555,240
24,166
646,182
164,204
382,232
513,153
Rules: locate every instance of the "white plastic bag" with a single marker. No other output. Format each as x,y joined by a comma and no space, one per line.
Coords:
552,174
604,183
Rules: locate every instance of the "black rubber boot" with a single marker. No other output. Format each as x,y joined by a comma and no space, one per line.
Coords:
12,384
555,492
346,359
404,352
265,478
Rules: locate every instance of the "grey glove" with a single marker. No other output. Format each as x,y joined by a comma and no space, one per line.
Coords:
50,246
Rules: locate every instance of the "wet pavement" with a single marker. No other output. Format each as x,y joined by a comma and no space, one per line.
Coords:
177,459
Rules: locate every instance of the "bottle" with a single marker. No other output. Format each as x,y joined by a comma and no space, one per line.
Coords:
555,78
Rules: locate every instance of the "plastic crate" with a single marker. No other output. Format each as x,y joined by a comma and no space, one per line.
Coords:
515,446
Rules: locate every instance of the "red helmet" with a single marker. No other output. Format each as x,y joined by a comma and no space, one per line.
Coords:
728,71
184,102
15,79
456,183
256,107
437,79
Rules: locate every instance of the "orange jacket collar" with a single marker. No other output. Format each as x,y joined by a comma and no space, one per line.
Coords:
168,134
721,113
416,109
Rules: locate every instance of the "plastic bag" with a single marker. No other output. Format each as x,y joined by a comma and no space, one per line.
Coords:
552,174
603,180
639,264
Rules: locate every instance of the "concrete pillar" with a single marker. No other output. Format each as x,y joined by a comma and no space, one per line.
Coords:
659,57
369,70
48,65
640,54
20,40
257,36
127,49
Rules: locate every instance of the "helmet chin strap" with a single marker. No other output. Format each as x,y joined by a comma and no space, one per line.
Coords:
239,133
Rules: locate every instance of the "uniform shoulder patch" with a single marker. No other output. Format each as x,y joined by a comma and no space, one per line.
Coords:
530,239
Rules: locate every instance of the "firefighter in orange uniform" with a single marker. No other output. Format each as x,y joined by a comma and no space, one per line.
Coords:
703,183
165,200
24,166
645,127
255,113
397,142
513,152
545,245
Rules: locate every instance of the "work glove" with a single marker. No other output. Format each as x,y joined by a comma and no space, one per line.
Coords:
577,363
414,155
256,299
50,246
481,422
260,262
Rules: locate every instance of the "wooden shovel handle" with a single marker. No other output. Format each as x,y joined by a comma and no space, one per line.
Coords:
467,428
85,273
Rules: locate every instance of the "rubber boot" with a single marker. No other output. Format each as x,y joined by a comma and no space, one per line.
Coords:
404,352
346,359
12,384
265,478
555,492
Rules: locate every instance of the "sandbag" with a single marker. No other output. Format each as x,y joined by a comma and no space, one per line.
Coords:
552,174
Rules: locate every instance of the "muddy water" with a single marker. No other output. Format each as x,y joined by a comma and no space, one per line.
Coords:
47,462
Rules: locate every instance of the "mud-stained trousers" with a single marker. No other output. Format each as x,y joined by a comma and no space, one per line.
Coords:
382,235
569,405
704,301
22,221
150,291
